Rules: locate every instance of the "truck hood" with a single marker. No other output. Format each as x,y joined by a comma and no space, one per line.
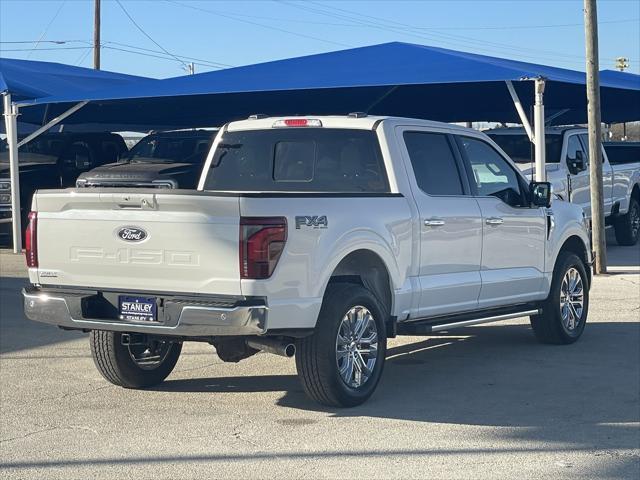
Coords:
529,171
28,162
26,167
138,172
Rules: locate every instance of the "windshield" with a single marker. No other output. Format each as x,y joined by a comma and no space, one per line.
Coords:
298,160
171,148
520,148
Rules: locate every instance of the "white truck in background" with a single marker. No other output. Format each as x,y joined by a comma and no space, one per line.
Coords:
567,160
318,237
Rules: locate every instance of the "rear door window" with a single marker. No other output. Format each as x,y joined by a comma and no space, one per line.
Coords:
298,160
434,164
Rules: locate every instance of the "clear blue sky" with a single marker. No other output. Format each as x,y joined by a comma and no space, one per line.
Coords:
244,32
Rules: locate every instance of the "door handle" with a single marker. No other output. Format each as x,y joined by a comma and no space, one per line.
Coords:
434,222
494,221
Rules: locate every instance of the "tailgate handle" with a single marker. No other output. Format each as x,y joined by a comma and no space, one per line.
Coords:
136,202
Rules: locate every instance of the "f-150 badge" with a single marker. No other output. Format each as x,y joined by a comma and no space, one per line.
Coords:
312,221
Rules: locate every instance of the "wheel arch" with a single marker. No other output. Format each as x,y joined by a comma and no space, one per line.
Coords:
365,267
635,192
576,245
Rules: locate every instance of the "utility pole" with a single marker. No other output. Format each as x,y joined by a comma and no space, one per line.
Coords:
595,138
96,35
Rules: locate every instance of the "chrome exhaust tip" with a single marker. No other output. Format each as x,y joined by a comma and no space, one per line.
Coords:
283,348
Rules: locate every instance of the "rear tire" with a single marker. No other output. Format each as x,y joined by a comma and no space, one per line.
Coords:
341,363
627,226
564,312
132,366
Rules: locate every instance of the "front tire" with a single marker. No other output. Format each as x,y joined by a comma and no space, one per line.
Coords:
627,226
564,312
132,366
341,363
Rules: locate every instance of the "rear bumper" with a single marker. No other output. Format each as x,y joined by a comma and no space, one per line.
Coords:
180,316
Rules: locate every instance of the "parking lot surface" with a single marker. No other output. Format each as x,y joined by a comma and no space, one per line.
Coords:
480,402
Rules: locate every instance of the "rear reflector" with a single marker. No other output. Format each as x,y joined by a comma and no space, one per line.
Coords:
262,241
297,122
31,241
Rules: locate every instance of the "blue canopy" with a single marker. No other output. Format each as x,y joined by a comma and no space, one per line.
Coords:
391,79
27,80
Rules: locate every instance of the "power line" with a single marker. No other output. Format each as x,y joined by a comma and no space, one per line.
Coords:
46,29
83,56
42,49
149,36
527,27
408,30
211,63
57,42
152,55
388,25
418,27
238,18
172,57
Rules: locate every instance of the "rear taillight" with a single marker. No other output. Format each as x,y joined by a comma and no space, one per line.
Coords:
262,241
31,241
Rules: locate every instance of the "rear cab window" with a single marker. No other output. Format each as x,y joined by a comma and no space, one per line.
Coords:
308,159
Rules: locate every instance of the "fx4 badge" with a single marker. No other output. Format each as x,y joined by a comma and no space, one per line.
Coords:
313,221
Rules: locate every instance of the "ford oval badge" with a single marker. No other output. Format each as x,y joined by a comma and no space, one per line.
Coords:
131,234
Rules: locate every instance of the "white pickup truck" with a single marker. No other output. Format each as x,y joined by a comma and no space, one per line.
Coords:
568,172
318,237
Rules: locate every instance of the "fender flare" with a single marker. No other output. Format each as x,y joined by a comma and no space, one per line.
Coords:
361,239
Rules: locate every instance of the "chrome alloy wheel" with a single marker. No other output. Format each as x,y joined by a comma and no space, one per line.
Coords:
571,300
357,346
149,356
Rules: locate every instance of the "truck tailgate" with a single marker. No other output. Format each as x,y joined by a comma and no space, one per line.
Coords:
184,242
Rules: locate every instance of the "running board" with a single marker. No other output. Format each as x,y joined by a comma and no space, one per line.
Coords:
425,328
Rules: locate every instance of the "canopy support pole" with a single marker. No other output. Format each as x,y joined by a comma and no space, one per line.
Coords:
11,127
381,98
52,123
520,110
551,118
539,131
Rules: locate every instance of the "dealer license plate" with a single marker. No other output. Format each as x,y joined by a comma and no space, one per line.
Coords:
137,309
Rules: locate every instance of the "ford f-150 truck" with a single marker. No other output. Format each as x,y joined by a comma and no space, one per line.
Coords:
568,171
159,160
319,237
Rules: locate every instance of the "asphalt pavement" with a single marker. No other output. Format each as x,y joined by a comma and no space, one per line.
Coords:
480,402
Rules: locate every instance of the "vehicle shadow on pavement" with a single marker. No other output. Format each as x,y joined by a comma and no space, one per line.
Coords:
583,395
489,375
237,384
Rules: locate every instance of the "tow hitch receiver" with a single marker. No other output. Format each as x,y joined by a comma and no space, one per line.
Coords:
134,339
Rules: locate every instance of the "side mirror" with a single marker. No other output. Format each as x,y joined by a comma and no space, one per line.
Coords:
540,193
577,165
